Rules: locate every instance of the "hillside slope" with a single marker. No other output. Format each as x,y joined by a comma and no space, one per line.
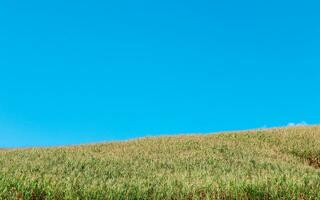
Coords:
261,164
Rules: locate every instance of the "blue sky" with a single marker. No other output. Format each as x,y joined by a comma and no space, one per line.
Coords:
85,71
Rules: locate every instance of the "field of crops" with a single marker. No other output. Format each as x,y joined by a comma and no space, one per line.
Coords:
280,163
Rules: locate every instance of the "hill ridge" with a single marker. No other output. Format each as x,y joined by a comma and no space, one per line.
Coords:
278,163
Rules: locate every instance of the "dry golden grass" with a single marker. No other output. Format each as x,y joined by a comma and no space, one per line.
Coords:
280,163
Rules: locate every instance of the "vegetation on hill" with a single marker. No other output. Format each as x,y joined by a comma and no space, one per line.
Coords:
280,163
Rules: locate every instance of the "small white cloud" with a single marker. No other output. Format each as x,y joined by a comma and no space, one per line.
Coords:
303,123
291,124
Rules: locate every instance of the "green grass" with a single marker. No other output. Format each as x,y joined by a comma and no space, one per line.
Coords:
281,163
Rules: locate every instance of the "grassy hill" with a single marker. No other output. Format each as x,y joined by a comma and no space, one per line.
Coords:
280,163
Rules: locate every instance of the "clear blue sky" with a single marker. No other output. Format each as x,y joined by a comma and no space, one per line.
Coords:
85,71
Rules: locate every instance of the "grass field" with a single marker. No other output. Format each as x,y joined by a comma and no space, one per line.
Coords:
280,163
